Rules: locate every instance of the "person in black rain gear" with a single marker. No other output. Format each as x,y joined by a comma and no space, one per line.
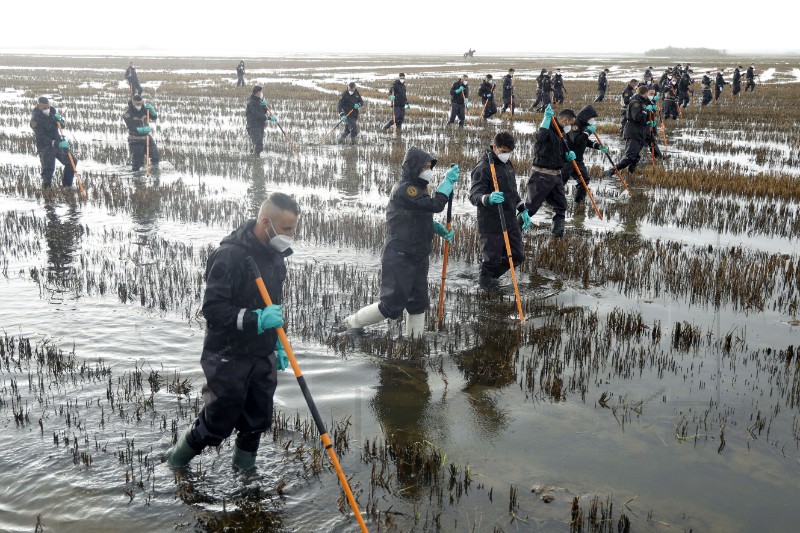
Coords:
546,183
409,231
397,95
602,85
737,81
138,118
459,100
671,104
665,76
705,83
133,79
508,92
651,132
349,103
257,117
50,144
750,75
486,92
547,91
684,87
638,122
241,351
558,88
719,82
627,94
240,74
539,82
578,141
482,194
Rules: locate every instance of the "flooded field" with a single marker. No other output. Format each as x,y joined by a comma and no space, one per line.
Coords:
654,386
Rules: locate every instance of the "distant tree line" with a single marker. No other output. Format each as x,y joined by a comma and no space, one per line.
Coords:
673,51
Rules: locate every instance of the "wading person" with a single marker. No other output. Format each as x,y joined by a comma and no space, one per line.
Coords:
349,103
486,92
671,104
637,123
627,94
737,80
539,81
133,79
547,91
257,117
719,83
482,194
684,89
508,92
705,83
558,88
602,85
408,245
137,118
397,95
240,74
459,100
241,350
550,153
578,140
750,75
50,145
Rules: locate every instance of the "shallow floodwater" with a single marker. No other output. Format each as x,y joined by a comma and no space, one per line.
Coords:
638,396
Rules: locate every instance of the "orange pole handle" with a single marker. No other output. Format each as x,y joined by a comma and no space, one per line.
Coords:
336,126
614,164
508,249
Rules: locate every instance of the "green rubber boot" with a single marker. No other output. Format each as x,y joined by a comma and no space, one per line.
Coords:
179,455
243,460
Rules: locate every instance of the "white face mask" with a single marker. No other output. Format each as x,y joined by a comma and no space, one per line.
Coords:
45,112
567,129
279,243
503,157
426,175
402,80
464,82
591,121
351,92
137,107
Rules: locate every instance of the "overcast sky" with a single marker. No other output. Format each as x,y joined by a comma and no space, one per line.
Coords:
249,28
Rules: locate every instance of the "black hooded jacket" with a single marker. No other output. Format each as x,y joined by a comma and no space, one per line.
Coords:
346,102
409,216
256,113
399,91
231,295
135,118
602,82
637,116
486,88
458,98
737,76
549,150
508,86
750,74
483,185
577,138
130,75
45,128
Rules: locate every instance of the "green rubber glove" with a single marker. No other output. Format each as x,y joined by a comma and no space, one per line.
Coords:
408,106
281,358
452,174
604,149
344,118
356,106
268,318
497,197
273,118
656,98
651,108
64,145
264,102
466,101
570,156
445,187
651,124
458,91
526,219
391,97
143,130
441,230
150,108
58,119
591,128
548,116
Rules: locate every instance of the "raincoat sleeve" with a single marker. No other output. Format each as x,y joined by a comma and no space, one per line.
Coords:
219,300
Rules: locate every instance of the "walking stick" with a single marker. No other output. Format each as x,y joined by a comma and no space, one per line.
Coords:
72,163
444,262
323,432
512,96
652,144
508,245
335,127
612,164
147,147
291,144
575,166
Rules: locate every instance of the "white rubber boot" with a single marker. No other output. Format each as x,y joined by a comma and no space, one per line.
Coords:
415,325
364,317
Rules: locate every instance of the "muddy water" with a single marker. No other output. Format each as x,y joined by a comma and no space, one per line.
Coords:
576,406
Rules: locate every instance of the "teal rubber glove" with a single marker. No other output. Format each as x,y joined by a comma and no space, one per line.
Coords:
264,102
526,219
466,101
591,128
281,358
391,97
150,108
344,118
458,91
604,149
273,118
497,197
651,124
356,106
548,116
652,107
408,106
452,174
656,98
143,130
445,187
64,144
58,119
441,230
268,318
570,156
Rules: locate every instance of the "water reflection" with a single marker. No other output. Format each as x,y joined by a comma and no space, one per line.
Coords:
257,190
145,204
62,235
352,183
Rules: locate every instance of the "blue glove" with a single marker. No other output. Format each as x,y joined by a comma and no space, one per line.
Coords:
452,174
591,128
652,107
656,98
264,102
143,130
440,230
548,115
651,124
570,156
466,101
356,106
408,106
150,108
458,91
391,97
58,119
489,95
281,359
497,197
604,149
268,318
344,118
64,144
548,111
273,118
526,219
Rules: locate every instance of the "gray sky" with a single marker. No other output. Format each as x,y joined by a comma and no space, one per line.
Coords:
249,28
